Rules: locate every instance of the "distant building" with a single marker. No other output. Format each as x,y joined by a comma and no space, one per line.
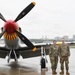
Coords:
57,38
66,37
73,37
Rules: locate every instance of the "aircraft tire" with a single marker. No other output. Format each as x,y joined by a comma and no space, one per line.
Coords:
43,63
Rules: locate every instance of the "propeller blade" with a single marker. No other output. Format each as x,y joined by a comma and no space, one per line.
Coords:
2,34
26,41
25,11
1,17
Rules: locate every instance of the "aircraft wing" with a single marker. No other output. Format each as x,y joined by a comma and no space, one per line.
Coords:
3,52
27,53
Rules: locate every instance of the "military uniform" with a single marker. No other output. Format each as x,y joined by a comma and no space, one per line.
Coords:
53,53
64,54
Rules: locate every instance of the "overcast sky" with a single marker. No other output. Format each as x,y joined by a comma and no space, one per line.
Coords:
49,18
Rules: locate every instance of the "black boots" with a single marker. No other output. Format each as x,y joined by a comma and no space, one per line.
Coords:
62,72
54,72
67,72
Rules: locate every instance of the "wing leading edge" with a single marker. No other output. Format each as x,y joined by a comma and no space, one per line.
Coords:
27,53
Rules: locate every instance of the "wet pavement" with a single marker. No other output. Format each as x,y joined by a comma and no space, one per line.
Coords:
31,66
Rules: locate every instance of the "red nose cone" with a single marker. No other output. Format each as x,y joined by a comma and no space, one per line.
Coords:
10,27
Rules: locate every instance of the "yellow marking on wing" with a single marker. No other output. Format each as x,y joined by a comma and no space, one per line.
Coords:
59,43
34,49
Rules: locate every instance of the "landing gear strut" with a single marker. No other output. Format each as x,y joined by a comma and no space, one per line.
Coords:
43,58
11,55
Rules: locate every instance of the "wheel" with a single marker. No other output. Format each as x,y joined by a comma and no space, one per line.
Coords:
43,63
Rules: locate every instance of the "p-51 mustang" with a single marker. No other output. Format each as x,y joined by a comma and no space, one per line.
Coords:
12,34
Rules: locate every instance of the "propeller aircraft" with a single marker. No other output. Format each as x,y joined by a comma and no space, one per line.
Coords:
12,33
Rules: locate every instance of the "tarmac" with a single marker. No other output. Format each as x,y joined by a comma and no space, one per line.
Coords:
31,66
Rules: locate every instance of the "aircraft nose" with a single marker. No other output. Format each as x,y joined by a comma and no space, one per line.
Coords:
10,27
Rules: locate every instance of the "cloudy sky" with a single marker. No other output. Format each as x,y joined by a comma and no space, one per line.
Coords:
49,18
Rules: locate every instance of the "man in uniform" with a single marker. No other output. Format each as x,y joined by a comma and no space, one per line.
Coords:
53,53
64,54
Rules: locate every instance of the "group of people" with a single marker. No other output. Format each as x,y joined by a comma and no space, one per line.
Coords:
63,52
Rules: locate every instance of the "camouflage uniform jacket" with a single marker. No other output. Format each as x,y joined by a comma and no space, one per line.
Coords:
53,50
64,50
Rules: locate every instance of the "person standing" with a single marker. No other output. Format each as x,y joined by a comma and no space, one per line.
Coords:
53,54
64,53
